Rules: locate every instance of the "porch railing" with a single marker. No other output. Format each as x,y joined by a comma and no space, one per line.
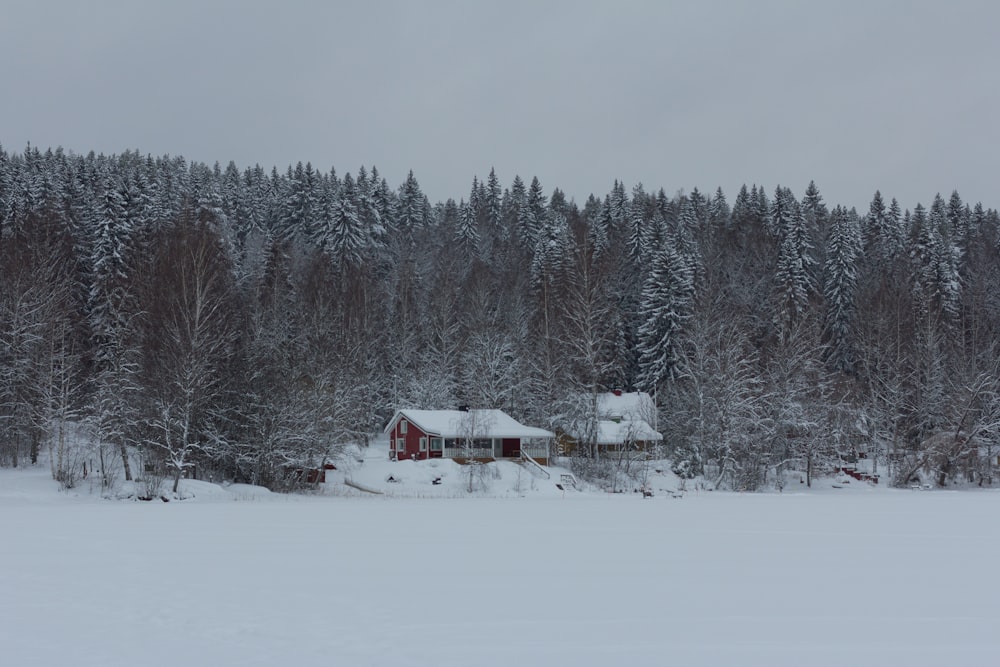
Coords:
468,452
536,451
534,466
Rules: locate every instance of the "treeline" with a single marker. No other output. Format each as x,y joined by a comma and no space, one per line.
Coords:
249,323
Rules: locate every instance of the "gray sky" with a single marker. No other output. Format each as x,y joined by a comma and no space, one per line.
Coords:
901,96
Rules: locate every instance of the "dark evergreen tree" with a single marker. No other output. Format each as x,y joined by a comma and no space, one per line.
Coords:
411,209
345,238
301,209
467,233
718,210
493,199
793,281
531,218
667,296
840,289
638,231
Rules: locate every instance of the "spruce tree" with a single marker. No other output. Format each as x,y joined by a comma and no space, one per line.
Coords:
532,215
110,251
411,211
665,305
492,208
619,203
300,211
742,217
467,233
345,238
793,281
783,212
5,190
718,211
600,226
840,289
638,233
512,208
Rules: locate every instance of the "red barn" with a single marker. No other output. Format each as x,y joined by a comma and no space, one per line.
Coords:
469,434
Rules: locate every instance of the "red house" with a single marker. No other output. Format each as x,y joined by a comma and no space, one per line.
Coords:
468,434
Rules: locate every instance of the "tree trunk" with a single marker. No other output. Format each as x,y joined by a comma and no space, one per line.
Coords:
104,467
35,445
125,464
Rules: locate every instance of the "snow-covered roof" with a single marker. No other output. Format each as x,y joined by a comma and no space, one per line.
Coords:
468,423
627,405
628,430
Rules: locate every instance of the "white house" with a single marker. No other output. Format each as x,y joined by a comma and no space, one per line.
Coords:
623,422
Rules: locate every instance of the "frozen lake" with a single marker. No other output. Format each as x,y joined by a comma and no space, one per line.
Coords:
860,577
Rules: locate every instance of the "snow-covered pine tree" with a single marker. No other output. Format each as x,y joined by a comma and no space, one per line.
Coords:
783,212
492,204
813,207
532,216
475,199
550,252
599,225
384,201
699,206
370,212
687,223
467,232
959,226
793,280
923,243
761,205
638,232
718,211
876,232
934,262
690,235
619,203
667,296
512,209
300,209
411,211
110,251
840,289
5,191
345,238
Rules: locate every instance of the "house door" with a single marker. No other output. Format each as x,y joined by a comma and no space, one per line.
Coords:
511,448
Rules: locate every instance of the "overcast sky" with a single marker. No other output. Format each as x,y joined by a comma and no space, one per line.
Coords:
901,96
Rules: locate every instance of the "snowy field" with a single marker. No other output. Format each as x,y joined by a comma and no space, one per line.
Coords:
858,576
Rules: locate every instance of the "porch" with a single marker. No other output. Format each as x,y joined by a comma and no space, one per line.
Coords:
493,448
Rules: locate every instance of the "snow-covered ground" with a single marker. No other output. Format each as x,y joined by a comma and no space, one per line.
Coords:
239,576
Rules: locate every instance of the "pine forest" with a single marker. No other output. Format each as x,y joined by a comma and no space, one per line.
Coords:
246,323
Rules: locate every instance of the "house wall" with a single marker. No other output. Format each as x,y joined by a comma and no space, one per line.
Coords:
412,437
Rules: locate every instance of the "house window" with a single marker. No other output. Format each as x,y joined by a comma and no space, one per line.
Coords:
423,444
437,444
400,444
402,427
